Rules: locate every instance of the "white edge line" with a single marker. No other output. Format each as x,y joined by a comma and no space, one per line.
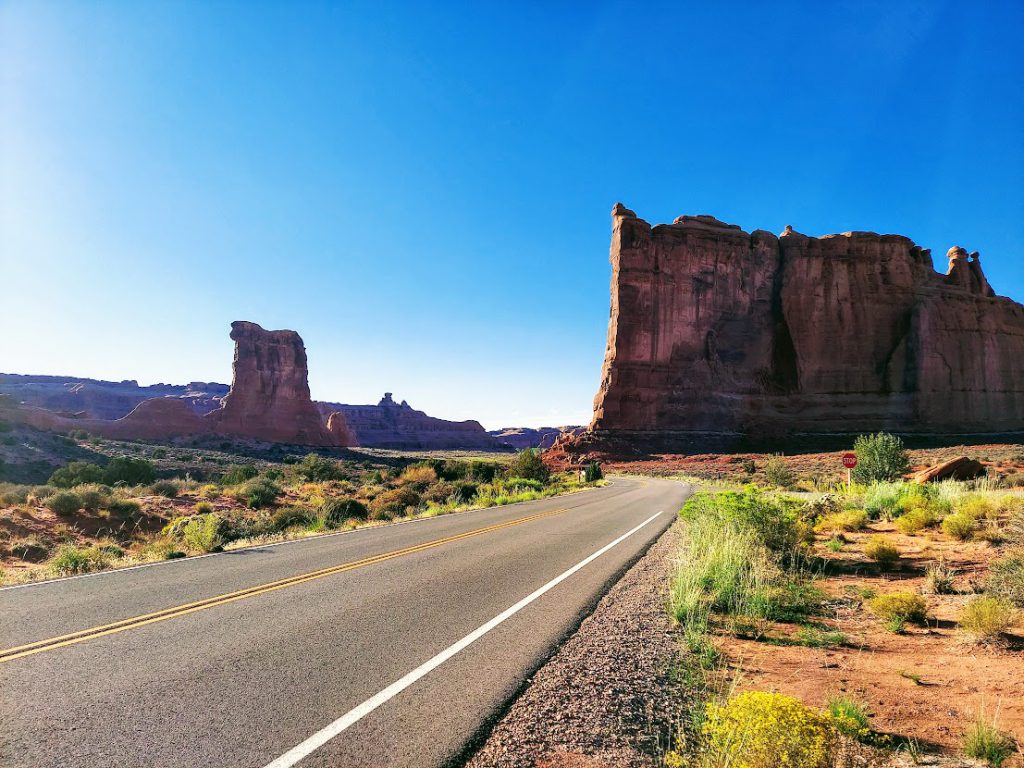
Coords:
321,737
301,539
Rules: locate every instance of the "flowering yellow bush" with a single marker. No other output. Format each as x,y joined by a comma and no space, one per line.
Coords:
757,729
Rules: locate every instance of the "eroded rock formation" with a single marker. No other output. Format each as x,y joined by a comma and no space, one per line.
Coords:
718,333
269,398
400,426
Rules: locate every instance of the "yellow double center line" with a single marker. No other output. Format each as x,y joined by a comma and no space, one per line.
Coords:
82,635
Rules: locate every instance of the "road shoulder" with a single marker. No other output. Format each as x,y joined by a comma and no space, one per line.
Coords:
607,697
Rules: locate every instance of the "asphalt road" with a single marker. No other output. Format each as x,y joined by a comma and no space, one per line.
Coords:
389,646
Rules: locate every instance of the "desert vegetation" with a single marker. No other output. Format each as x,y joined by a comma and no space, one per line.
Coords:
160,503
799,602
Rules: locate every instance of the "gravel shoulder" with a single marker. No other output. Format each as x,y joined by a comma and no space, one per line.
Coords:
607,697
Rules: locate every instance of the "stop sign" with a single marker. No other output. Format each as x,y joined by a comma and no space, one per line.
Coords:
849,460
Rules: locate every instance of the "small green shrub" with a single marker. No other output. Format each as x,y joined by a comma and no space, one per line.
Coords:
316,468
203,533
985,619
71,560
959,526
76,473
984,741
757,729
65,503
238,474
92,497
419,476
835,544
258,493
203,508
592,472
915,520
334,512
897,608
287,517
127,470
124,507
395,502
521,484
882,551
778,473
166,488
528,464
880,458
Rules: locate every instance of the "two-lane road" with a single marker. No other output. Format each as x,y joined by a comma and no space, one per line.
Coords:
383,646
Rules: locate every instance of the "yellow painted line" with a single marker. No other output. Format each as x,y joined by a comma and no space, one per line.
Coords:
18,652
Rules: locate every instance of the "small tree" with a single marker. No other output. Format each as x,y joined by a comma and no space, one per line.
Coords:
592,472
129,471
880,458
528,464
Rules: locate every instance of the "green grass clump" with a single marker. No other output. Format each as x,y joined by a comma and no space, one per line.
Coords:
1006,578
849,716
847,520
204,533
898,608
986,619
882,551
813,637
984,741
938,578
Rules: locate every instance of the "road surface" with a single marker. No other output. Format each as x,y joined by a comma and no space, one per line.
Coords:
390,646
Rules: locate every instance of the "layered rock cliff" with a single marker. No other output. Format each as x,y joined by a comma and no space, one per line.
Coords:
400,426
717,332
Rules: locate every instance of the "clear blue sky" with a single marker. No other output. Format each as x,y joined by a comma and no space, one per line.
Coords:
423,190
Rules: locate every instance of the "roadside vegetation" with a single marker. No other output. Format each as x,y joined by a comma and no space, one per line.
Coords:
90,516
842,584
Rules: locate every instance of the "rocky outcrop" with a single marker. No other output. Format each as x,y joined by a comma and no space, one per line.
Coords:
961,468
716,333
528,437
399,426
269,398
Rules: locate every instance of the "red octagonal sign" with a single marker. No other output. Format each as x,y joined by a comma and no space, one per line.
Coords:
849,460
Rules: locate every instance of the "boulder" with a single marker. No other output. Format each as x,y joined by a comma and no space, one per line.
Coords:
962,468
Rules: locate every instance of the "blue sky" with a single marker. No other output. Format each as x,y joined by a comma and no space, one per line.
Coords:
423,190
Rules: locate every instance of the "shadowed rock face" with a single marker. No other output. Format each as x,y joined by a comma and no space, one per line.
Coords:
269,397
716,331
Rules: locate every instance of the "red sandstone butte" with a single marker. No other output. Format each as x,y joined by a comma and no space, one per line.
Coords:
720,333
269,397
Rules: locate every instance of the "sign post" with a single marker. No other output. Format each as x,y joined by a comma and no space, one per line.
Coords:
849,461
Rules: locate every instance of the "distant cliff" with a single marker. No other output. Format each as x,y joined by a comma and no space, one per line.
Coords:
716,333
397,425
268,400
529,437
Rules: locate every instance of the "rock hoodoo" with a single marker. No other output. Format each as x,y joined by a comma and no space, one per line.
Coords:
716,333
269,397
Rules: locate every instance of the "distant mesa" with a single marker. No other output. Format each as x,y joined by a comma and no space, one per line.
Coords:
718,335
521,438
268,400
